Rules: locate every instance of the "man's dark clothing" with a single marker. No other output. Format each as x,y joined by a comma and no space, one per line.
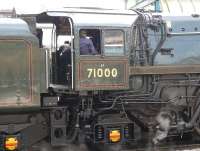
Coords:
86,46
64,62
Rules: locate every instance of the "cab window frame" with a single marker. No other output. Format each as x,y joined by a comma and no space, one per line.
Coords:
103,42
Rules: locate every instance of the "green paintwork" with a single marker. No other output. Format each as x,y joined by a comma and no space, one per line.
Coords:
101,61
96,73
20,71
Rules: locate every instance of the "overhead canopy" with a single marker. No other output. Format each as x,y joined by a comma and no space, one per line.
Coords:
180,6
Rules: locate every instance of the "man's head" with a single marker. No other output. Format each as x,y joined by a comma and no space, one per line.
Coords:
83,33
67,44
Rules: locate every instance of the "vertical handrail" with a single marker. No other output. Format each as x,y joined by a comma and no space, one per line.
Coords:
47,67
72,53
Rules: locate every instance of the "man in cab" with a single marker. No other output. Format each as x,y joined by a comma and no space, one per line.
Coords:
86,44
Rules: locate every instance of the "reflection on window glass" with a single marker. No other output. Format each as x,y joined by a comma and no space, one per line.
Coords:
114,42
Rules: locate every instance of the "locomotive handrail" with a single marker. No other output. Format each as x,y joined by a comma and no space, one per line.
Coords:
47,67
184,34
157,70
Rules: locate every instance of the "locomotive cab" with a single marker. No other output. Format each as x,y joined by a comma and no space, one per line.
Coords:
101,69
106,66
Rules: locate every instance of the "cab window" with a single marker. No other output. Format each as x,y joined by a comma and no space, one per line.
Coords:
89,42
114,42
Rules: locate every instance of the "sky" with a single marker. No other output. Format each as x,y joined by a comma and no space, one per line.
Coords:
35,6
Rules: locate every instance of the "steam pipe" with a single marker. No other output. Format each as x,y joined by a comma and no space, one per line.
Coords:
194,118
162,40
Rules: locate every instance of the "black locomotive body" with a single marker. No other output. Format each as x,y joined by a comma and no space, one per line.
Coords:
141,86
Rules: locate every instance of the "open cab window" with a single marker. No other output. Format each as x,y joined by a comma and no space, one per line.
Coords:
89,42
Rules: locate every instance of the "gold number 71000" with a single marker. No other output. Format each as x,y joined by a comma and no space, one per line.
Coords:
100,72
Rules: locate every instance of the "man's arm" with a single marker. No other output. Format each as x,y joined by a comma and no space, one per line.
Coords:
91,47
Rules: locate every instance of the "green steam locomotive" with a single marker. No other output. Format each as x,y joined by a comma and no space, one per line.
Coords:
139,84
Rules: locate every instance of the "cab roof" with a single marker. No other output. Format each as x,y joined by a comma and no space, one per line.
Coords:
96,17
